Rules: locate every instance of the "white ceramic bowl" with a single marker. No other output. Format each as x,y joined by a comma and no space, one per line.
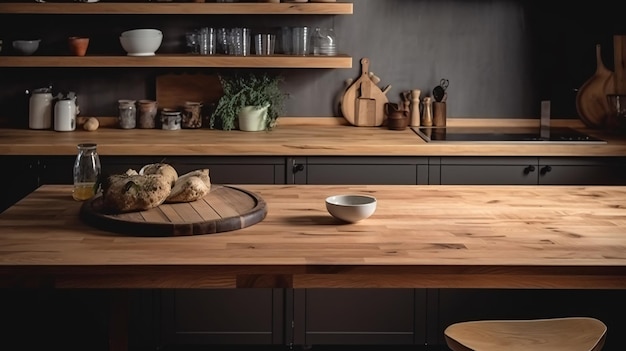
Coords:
141,46
351,208
144,32
26,47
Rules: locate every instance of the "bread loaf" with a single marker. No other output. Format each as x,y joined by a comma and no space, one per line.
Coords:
134,192
191,186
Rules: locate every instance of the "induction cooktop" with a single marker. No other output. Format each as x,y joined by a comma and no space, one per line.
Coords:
505,135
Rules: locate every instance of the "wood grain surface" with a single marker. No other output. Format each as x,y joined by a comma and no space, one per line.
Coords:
173,90
566,334
225,208
297,137
419,236
591,103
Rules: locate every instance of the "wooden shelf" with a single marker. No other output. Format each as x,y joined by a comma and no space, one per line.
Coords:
177,8
180,60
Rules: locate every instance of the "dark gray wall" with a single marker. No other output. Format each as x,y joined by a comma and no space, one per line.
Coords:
502,57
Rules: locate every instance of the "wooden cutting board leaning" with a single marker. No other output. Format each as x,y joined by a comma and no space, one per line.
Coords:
172,90
363,102
591,102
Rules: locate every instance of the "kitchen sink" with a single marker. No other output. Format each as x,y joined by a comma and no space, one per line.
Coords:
524,135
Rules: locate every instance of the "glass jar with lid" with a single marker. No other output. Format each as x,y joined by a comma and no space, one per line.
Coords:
324,42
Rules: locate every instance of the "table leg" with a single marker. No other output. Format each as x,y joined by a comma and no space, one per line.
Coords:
118,321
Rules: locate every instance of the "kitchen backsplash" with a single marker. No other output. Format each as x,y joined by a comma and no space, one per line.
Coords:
501,57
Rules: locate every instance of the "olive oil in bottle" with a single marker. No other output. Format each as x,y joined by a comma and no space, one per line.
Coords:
86,172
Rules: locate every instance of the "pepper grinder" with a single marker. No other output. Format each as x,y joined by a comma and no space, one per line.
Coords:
415,108
427,116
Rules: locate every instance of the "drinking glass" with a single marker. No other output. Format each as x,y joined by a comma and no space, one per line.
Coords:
264,44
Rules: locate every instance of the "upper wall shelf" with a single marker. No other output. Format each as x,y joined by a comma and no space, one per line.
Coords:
175,8
180,60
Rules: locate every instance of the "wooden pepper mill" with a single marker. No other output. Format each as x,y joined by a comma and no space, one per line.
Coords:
415,108
427,115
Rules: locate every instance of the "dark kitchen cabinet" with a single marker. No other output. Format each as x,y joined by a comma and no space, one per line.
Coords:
223,316
24,174
222,170
360,316
528,170
359,170
29,172
582,171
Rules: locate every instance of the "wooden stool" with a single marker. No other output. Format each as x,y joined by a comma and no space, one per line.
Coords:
555,334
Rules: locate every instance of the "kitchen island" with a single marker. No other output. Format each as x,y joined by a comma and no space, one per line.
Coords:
440,237
419,237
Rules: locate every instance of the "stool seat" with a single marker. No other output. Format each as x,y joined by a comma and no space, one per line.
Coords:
553,334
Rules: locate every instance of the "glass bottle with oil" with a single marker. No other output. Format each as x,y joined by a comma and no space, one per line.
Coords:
86,172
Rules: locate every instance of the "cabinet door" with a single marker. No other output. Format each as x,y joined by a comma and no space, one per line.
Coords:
487,170
359,316
56,170
223,316
364,170
222,170
582,170
19,178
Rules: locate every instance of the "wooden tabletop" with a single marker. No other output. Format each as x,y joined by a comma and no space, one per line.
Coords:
297,137
419,236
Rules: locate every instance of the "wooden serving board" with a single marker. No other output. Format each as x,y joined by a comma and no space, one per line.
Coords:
224,209
363,103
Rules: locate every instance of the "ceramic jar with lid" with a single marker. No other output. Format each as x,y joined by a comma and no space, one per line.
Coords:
128,114
147,114
40,109
170,119
192,115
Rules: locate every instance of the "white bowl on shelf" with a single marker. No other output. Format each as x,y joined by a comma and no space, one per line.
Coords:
141,46
351,208
142,32
26,47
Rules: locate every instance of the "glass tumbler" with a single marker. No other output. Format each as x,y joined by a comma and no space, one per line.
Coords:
264,44
86,172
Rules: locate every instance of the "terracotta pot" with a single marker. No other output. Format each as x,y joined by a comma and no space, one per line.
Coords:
78,45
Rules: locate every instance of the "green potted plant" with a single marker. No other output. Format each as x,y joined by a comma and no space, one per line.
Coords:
258,94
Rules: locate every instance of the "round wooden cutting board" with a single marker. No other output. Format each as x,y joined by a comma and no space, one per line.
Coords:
224,209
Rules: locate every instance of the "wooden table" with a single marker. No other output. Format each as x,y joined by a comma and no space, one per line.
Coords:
419,237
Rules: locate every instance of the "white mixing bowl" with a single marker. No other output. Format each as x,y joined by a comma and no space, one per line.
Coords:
142,32
141,45
26,47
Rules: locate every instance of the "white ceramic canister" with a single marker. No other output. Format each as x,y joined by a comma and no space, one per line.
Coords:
65,115
40,110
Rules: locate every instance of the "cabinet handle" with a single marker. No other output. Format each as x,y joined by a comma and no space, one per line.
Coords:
297,167
545,169
529,169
